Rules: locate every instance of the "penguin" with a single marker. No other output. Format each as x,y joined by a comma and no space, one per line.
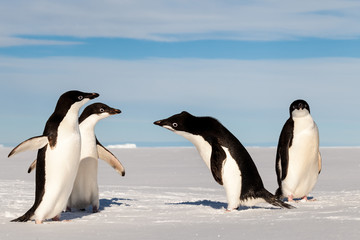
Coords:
85,191
57,158
226,158
298,159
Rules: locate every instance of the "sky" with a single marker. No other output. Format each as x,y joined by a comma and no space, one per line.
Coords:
242,62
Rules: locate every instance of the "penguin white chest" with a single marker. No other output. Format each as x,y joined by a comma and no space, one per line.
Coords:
303,158
61,165
203,147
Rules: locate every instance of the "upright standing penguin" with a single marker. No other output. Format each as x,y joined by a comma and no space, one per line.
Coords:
229,162
85,191
57,159
298,159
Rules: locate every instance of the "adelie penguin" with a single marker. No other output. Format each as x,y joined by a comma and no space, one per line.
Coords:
298,159
227,159
57,158
86,191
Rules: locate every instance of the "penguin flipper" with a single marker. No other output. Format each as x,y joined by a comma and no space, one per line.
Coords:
33,143
282,153
218,155
319,162
107,156
32,166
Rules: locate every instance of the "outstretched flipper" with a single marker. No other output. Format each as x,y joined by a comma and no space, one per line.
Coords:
33,143
108,157
319,162
32,166
104,154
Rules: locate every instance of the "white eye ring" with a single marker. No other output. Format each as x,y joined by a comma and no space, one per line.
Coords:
102,110
80,98
175,125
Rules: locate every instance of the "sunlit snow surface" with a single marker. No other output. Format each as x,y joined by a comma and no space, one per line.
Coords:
168,193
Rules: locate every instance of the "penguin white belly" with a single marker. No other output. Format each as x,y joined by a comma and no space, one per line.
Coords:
61,165
85,190
231,177
303,163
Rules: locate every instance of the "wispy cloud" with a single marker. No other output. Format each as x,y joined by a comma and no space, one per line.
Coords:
177,20
20,41
250,97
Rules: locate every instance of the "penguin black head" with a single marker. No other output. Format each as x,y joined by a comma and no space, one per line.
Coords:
177,122
69,98
299,107
184,122
77,96
100,109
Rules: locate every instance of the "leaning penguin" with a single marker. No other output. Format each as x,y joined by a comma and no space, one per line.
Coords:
86,191
57,158
227,159
298,159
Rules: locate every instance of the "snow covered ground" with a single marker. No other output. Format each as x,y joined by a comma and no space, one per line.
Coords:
168,193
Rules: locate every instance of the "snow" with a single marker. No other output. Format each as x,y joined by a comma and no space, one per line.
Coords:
168,193
126,145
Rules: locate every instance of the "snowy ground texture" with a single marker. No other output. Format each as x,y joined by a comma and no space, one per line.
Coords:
168,193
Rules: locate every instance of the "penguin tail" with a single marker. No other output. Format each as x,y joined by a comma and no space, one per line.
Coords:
275,200
24,218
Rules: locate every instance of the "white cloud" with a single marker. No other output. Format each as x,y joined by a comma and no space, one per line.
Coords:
249,97
18,41
177,20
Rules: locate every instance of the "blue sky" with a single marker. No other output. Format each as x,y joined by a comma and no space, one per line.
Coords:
242,62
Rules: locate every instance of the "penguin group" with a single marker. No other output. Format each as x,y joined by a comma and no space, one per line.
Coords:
68,152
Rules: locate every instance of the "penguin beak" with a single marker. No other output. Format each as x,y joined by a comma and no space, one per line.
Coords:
115,111
162,123
300,106
92,95
159,123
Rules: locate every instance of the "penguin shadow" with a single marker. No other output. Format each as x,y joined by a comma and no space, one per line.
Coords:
219,205
206,203
104,203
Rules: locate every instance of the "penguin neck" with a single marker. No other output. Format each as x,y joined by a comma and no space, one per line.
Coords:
88,138
202,146
70,120
304,122
89,123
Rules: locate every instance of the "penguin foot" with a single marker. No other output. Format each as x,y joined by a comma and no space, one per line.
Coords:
291,198
306,199
95,209
38,221
56,218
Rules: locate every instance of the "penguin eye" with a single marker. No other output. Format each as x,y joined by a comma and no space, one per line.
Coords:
80,97
102,110
174,125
